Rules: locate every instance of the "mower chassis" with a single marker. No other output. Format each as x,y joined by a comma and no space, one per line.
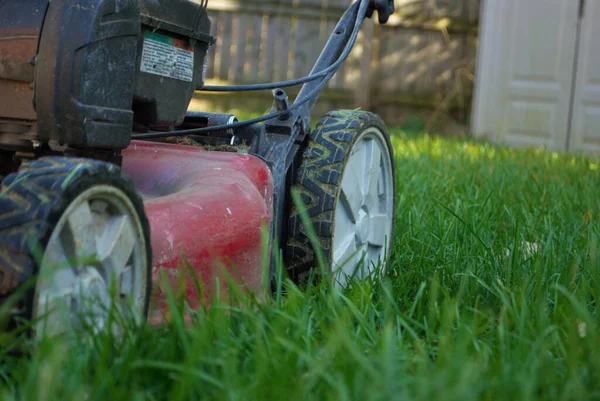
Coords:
210,208
212,212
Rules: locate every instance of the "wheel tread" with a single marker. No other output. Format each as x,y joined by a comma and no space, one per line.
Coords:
317,182
30,203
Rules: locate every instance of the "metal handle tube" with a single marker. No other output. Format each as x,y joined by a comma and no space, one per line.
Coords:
333,49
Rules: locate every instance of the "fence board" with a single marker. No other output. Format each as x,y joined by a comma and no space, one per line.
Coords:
283,47
255,48
226,33
210,71
307,38
269,65
240,48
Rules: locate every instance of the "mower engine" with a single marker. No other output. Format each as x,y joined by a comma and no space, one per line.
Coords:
80,76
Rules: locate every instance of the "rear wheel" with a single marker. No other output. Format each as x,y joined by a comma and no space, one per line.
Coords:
80,227
346,181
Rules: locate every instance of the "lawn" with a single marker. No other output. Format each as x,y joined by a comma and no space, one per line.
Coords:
491,295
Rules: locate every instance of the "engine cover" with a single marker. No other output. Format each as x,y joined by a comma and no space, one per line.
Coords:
171,61
105,64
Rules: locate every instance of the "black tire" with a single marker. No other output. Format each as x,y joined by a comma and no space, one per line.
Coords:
32,202
318,182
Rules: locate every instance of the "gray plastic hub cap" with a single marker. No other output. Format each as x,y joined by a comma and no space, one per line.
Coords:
96,254
364,211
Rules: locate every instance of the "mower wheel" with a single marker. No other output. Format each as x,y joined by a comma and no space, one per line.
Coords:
346,180
80,227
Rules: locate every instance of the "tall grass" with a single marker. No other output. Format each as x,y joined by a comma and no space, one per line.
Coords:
491,295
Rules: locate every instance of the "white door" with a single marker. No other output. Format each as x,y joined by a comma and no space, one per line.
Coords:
585,132
525,74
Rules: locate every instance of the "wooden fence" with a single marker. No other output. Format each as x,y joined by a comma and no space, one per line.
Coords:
423,58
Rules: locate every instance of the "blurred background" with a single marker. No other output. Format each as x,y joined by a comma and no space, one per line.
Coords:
416,71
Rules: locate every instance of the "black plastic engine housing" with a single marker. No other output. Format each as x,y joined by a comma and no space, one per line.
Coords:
103,64
171,59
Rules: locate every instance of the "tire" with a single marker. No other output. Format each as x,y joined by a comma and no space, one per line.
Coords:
48,195
334,145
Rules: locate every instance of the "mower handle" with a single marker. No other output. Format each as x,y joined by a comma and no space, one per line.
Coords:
339,40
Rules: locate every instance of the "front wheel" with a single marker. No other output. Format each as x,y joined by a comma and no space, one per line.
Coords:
79,227
347,182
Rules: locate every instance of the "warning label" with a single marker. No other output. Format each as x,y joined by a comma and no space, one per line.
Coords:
167,57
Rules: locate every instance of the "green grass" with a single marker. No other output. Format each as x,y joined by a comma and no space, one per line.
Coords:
466,313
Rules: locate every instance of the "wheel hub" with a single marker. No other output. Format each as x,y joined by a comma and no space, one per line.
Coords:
92,297
96,243
91,286
363,216
362,226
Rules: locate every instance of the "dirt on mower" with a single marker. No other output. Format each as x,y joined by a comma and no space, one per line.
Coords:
242,148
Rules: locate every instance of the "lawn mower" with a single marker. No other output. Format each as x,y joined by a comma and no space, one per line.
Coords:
110,183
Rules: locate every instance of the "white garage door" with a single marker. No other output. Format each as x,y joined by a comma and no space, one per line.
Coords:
538,78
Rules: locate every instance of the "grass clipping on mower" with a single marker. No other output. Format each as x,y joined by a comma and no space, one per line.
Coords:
187,141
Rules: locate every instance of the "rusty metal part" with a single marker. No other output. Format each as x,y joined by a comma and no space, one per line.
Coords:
15,142
17,71
16,100
14,127
20,26
17,50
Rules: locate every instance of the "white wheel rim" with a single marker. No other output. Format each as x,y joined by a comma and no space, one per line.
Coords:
364,210
97,247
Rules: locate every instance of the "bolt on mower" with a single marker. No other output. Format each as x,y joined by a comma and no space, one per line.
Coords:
109,182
